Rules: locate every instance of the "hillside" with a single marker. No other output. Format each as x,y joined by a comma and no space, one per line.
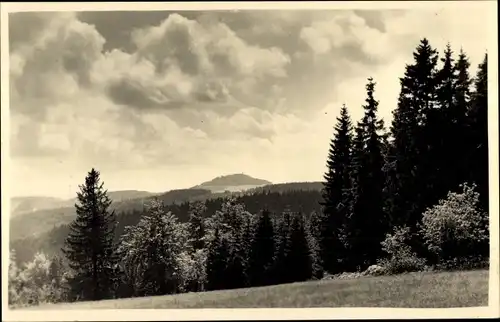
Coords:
22,205
232,182
48,235
416,290
38,222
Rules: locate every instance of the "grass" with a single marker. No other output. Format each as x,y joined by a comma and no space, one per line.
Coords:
415,290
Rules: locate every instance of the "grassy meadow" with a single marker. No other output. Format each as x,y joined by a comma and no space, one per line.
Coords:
412,290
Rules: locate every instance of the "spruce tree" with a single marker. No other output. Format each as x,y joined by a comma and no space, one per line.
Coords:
89,246
459,130
281,273
407,182
441,139
217,257
367,226
262,251
477,153
298,256
196,226
337,194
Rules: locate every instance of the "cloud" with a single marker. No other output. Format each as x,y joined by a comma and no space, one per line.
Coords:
206,90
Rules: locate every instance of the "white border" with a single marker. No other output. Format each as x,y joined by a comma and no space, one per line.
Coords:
492,310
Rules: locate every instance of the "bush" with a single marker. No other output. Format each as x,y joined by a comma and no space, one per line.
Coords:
35,283
193,270
456,231
400,257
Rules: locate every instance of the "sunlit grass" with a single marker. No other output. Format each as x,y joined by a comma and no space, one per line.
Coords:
415,290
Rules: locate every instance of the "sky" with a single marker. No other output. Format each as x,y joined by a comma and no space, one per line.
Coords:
160,100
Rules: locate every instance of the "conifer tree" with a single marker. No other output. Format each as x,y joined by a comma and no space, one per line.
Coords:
218,254
89,246
367,224
478,129
407,180
262,251
196,226
313,237
459,129
282,227
337,194
298,257
441,139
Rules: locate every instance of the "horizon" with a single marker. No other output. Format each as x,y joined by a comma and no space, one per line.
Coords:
68,197
246,91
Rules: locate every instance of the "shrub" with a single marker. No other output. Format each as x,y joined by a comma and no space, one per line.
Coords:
35,283
400,257
456,231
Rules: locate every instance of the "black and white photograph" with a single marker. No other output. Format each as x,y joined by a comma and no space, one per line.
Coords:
231,156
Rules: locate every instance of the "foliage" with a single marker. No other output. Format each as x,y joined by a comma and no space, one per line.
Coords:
456,227
36,282
400,257
150,252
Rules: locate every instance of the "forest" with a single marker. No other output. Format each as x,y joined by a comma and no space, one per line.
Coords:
410,196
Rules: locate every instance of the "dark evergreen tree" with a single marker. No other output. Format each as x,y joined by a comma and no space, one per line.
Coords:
459,129
313,237
478,129
337,196
262,251
441,156
298,257
367,226
89,246
218,254
196,226
281,273
407,180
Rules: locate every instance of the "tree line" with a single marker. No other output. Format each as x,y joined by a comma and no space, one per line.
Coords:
406,198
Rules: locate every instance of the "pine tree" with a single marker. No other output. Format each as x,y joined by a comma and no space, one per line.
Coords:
439,128
477,153
262,251
280,272
313,237
196,226
367,225
89,246
458,130
336,194
218,254
407,180
298,257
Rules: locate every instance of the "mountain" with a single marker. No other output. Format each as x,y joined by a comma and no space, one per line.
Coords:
37,222
232,183
22,205
42,220
27,205
48,235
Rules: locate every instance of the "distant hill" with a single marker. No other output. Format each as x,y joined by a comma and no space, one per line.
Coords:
292,186
36,222
48,235
232,183
26,205
40,221
21,205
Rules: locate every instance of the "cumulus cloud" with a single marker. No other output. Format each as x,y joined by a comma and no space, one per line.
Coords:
210,90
